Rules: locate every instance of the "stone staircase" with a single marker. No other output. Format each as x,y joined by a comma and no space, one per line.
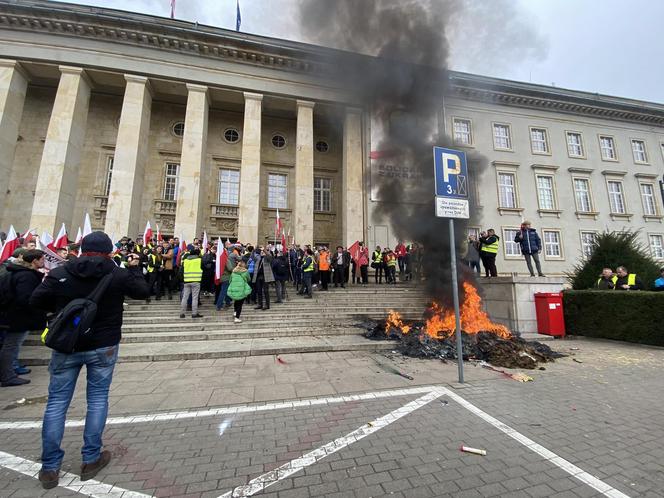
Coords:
154,332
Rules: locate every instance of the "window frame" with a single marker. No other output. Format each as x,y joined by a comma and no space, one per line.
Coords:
327,144
622,192
590,195
560,244
615,148
174,124
515,186
554,197
321,189
547,141
654,199
581,233
650,246
235,129
581,144
167,177
645,150
108,174
282,135
219,183
471,135
475,231
274,173
509,136
510,240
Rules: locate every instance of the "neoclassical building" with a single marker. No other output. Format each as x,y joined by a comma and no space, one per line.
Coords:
130,118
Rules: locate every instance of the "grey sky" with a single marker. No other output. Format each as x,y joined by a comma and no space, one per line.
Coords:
605,46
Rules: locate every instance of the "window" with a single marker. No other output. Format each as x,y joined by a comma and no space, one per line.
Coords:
639,151
574,144
229,187
582,195
552,247
656,246
171,181
648,198
501,136
474,231
462,131
507,190
278,141
231,135
322,146
178,129
538,141
511,248
616,197
588,243
608,148
545,195
322,194
109,174
277,191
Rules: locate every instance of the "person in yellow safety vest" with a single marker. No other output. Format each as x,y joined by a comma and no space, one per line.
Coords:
626,280
377,264
488,251
607,280
155,268
308,265
192,273
391,270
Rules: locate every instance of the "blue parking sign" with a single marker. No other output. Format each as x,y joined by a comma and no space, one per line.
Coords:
450,173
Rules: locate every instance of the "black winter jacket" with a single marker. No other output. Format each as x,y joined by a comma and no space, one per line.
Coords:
20,316
76,279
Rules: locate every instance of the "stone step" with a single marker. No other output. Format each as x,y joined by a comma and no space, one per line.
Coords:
195,350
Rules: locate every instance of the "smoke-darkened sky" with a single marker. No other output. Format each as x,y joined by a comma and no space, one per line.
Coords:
606,46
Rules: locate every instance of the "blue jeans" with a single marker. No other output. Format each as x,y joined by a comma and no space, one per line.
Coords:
64,370
223,295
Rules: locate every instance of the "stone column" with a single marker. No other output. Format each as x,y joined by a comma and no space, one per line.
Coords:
123,216
13,87
352,179
192,186
303,225
57,181
250,170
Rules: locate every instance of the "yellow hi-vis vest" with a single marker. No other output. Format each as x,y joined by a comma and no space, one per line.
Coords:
311,264
193,272
631,279
151,262
377,257
492,248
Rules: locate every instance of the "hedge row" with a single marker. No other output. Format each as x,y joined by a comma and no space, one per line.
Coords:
622,316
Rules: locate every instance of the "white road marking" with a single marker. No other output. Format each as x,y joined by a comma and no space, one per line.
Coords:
92,488
268,479
556,460
229,410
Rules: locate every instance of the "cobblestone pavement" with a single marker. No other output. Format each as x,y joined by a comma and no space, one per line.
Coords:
598,410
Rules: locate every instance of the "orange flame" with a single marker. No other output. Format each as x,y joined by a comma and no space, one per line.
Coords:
441,323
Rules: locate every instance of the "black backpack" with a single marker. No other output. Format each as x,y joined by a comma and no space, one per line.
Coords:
6,289
74,320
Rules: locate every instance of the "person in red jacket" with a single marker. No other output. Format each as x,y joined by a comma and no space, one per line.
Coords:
400,252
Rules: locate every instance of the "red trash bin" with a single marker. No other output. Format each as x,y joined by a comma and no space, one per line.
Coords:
549,310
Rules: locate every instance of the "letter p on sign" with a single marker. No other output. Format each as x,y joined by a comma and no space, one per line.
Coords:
451,166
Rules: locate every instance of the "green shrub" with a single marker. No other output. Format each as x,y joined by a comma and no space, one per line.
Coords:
613,249
632,316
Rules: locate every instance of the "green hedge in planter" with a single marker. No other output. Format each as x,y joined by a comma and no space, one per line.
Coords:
632,316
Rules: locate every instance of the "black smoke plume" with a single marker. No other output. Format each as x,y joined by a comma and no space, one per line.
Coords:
404,87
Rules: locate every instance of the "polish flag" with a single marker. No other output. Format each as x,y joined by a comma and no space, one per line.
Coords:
205,242
279,225
28,236
87,226
79,236
183,248
354,250
46,240
61,240
283,240
147,234
160,239
220,262
11,244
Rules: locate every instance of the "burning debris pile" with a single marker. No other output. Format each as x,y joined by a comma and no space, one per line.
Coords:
482,339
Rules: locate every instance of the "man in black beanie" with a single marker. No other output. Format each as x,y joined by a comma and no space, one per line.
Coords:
97,350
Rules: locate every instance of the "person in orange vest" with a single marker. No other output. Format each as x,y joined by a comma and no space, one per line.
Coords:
324,267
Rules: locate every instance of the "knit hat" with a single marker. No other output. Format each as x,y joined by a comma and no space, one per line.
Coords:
97,242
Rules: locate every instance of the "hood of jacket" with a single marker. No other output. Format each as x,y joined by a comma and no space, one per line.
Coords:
18,266
90,266
239,269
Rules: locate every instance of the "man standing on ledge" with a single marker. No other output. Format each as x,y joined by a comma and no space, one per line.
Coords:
97,350
488,251
531,246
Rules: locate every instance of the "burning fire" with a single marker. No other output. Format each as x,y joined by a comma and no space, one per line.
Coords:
441,323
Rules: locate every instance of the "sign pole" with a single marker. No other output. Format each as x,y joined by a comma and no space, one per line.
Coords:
455,296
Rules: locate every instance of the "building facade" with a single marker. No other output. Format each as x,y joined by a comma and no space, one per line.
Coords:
133,118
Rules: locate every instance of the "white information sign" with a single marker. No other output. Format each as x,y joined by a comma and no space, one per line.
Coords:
452,208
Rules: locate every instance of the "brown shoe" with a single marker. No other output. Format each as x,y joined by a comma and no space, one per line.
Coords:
89,470
49,478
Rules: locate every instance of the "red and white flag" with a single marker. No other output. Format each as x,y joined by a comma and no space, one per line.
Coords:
160,239
354,250
28,236
183,248
279,225
220,262
205,242
45,240
11,244
61,240
284,247
147,234
79,236
87,227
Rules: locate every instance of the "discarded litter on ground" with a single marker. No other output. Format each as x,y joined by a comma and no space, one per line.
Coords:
475,451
